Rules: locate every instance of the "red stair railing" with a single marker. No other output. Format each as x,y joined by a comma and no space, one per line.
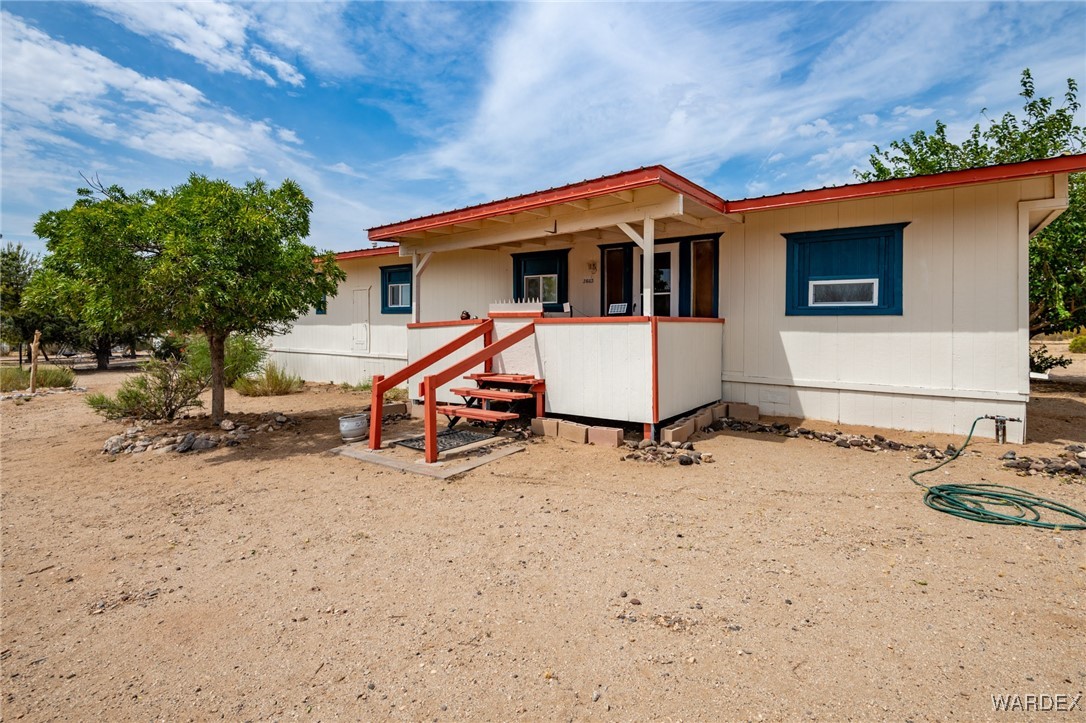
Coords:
432,383
382,384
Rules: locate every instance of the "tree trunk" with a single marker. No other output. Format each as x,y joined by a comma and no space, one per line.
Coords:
217,344
101,351
20,354
34,346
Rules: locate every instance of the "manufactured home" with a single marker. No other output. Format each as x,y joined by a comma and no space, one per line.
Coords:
640,296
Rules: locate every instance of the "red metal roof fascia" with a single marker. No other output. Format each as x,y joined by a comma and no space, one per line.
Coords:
626,181
988,174
360,253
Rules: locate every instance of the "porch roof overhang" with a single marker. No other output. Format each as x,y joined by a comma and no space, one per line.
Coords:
595,209
364,253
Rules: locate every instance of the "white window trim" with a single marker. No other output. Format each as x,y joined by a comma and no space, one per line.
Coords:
404,291
541,277
811,284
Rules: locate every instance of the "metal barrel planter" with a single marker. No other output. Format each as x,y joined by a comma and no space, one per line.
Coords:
355,427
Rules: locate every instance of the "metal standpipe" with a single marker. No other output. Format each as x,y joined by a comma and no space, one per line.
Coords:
1001,426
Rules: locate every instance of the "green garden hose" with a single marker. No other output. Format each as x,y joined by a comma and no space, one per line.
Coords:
982,502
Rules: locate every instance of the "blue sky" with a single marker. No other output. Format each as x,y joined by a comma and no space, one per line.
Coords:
388,111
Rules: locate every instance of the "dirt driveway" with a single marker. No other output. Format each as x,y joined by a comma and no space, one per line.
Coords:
792,579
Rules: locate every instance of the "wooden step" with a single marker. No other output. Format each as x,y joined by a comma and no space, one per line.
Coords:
494,395
480,415
506,379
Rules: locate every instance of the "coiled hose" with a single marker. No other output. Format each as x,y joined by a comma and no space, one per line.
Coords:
992,503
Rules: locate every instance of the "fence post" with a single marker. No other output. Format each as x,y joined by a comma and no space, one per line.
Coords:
430,399
377,403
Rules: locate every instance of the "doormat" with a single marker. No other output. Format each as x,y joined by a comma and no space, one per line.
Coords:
449,439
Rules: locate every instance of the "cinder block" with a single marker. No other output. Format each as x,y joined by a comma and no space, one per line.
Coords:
743,412
678,432
703,419
719,410
605,436
543,427
573,431
394,408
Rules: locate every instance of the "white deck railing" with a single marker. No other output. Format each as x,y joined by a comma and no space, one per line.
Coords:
628,369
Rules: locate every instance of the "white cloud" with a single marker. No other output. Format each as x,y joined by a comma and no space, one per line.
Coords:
869,119
583,89
107,102
214,33
286,72
819,127
316,32
912,113
854,152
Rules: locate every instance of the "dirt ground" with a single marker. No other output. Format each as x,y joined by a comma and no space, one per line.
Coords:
792,579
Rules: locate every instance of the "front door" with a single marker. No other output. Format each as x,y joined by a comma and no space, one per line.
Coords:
617,287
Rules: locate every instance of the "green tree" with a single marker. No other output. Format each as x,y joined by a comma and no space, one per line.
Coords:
17,266
1057,255
100,251
204,257
233,260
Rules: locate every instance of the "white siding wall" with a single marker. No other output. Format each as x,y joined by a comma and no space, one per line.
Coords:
598,370
688,364
956,352
354,340
422,341
464,281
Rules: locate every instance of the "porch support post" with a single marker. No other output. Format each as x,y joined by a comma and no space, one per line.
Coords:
647,241
418,265
648,267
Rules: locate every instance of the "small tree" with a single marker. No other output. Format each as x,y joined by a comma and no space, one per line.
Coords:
94,274
1057,255
17,266
233,260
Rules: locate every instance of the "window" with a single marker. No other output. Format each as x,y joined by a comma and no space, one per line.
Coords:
396,289
542,275
322,307
543,287
848,271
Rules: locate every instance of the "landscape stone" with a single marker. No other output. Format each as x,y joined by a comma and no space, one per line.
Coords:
186,443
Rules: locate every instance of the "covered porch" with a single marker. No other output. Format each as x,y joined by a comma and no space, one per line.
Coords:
602,295
640,243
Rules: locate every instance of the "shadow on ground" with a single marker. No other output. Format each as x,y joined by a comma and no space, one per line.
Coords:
1057,412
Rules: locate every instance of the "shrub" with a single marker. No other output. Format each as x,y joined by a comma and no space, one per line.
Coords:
1041,361
1078,345
272,382
163,390
244,355
54,376
16,379
396,394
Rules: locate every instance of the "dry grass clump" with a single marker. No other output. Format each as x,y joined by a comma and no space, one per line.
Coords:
273,381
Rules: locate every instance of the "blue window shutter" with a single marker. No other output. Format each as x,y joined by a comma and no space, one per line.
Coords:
867,252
